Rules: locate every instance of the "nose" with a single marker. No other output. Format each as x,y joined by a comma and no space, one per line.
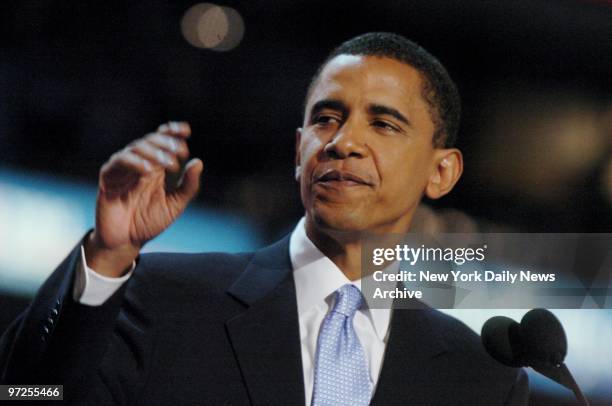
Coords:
347,142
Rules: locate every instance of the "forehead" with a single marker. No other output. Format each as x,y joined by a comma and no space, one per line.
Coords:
371,79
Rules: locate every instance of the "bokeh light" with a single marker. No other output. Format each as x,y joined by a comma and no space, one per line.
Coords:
214,27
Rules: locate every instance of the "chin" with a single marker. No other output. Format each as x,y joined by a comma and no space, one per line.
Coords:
339,218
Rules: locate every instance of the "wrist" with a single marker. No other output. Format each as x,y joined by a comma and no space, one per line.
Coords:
110,262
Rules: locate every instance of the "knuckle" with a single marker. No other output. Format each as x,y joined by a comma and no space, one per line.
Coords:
180,148
151,136
167,141
184,126
116,157
105,168
128,152
130,148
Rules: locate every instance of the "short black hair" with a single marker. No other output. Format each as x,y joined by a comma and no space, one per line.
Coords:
439,90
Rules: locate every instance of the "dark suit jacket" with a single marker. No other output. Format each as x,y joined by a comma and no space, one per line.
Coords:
222,329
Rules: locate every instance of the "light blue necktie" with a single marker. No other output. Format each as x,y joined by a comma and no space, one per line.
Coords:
341,369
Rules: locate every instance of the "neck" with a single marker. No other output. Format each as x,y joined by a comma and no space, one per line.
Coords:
343,248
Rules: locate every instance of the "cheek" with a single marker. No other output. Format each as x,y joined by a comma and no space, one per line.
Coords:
404,174
309,150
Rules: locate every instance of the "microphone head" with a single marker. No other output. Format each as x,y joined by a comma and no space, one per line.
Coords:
543,337
501,338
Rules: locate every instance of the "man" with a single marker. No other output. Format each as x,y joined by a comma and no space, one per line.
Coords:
285,325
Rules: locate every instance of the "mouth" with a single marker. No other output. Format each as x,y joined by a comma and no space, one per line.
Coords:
341,178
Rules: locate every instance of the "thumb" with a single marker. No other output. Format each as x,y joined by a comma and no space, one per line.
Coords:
191,179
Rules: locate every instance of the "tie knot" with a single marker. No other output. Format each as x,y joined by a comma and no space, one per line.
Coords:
348,300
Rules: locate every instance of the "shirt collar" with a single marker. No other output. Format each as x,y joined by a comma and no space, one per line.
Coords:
317,278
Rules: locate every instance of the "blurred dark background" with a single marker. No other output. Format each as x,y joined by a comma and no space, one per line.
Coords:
79,80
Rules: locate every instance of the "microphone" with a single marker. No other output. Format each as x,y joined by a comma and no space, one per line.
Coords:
538,342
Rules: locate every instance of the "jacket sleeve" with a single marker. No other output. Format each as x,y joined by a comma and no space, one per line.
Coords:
100,351
519,394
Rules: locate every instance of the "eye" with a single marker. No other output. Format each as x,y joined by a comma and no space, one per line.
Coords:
385,125
325,119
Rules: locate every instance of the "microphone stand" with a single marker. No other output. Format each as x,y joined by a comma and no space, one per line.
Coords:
574,386
562,375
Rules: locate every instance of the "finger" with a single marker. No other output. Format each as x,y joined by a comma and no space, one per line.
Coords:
129,161
124,168
176,128
157,156
191,179
172,145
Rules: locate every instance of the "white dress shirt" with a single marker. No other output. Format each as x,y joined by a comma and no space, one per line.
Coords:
93,289
316,279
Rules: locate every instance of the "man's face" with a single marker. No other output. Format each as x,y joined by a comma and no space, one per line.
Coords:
365,152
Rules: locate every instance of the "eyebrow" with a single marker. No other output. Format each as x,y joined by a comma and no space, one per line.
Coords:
379,109
329,104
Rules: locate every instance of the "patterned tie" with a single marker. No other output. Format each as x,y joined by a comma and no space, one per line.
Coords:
341,369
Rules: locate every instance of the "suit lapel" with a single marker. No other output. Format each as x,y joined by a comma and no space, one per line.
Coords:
414,340
265,337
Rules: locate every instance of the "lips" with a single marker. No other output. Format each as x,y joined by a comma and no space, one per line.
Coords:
345,177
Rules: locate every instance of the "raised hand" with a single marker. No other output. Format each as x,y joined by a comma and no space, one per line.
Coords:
133,204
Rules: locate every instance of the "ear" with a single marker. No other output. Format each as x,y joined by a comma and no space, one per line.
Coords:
298,163
448,167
